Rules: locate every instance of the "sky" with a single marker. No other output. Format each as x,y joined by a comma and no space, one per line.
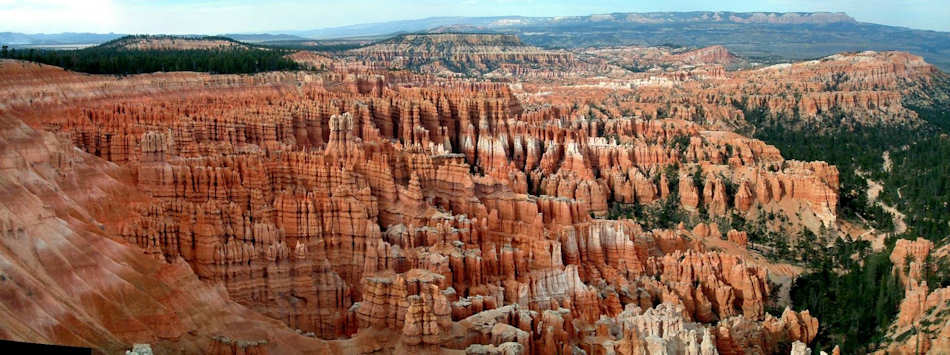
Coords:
246,16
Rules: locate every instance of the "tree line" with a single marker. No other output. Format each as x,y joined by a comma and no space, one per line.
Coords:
105,60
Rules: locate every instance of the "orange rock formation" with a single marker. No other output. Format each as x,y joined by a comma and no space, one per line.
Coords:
360,210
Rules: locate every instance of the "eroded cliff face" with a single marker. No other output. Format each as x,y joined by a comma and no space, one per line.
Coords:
454,54
865,88
659,59
438,212
387,211
68,278
921,326
698,85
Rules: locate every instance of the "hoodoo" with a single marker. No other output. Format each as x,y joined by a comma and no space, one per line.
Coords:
472,192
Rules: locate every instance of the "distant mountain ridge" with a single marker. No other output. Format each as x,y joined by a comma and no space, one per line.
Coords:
19,39
767,37
496,22
262,37
764,36
391,27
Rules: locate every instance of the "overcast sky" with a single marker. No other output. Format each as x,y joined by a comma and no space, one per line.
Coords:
227,16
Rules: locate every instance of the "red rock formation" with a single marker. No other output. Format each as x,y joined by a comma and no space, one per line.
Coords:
70,280
709,55
740,238
457,53
739,335
909,259
227,346
921,326
656,330
388,211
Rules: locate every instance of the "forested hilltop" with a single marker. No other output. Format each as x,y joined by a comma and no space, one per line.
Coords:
148,54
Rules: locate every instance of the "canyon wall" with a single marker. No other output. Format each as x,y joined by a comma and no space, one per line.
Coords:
360,210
